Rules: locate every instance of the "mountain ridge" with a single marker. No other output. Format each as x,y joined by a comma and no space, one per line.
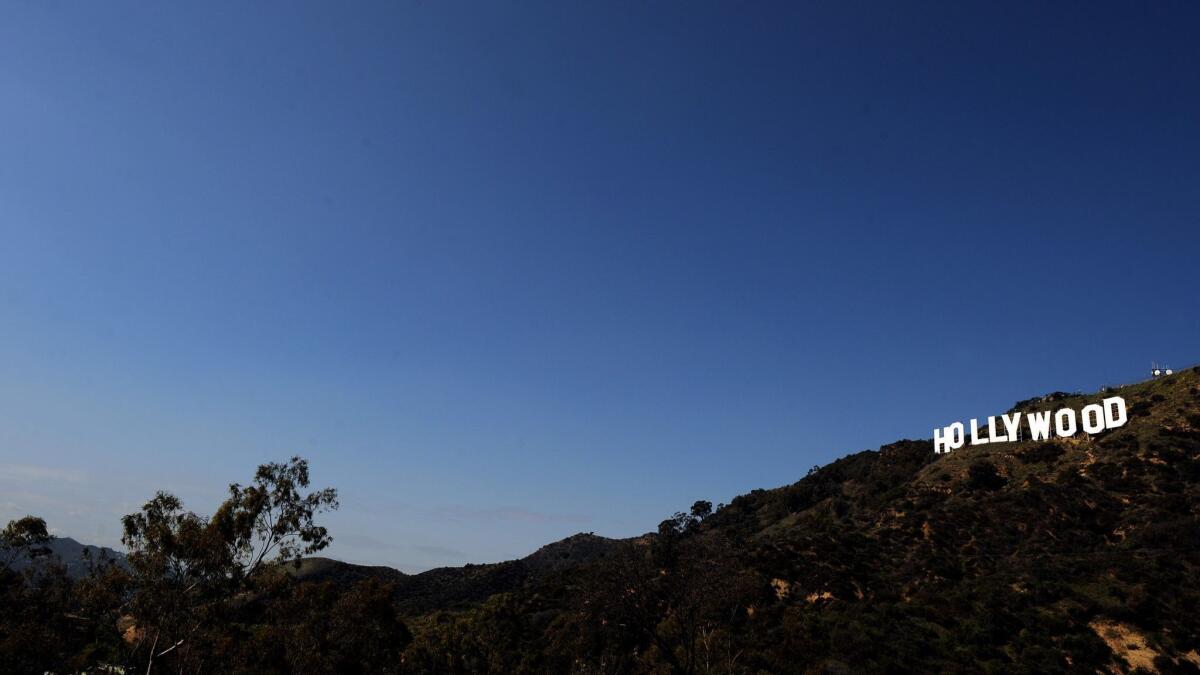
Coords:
1058,555
1077,554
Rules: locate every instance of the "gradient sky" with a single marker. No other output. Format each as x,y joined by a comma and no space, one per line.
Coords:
509,271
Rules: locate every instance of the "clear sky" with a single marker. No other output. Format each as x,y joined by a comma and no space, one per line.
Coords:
509,271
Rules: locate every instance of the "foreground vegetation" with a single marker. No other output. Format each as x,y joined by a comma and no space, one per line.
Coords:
1075,554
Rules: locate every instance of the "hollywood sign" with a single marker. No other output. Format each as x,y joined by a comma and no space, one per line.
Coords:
1093,419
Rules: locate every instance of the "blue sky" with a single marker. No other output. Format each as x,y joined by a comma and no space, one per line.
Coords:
508,271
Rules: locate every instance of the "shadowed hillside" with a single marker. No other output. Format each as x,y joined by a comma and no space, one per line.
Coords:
1069,554
449,587
77,559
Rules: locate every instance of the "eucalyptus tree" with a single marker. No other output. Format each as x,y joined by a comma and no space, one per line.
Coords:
191,573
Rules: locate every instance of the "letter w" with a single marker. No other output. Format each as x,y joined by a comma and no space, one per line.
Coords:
1039,425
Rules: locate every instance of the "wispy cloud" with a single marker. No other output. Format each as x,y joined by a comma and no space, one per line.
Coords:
363,541
460,514
466,514
27,472
442,552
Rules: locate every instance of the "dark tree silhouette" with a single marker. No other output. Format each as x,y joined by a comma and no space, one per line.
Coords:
188,569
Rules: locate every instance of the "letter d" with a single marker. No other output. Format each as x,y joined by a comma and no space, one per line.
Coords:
1114,418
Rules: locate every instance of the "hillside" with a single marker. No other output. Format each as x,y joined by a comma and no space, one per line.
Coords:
451,587
76,559
1075,554
1069,554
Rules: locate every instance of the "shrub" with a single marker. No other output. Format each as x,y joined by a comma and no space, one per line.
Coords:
983,475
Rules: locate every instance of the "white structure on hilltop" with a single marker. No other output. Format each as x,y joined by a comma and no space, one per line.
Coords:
1156,371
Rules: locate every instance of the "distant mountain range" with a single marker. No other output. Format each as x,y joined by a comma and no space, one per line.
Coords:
76,557
451,587
438,588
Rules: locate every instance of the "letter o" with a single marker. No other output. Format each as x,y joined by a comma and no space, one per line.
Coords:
955,435
1088,412
1064,422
